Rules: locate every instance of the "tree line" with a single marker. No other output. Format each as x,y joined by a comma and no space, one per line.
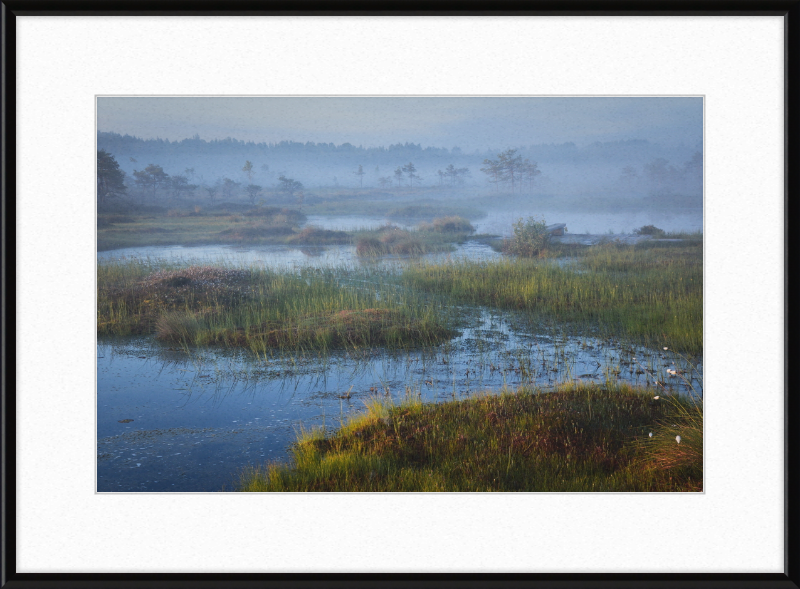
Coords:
112,183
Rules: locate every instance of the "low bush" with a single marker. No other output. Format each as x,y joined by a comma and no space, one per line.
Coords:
649,230
530,239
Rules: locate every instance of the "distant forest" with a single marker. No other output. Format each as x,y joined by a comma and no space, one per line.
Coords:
633,167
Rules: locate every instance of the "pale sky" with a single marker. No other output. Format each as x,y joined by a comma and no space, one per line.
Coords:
470,123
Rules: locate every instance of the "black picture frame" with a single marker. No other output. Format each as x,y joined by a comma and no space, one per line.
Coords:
790,578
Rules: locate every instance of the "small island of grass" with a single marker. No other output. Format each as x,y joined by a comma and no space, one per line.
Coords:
578,438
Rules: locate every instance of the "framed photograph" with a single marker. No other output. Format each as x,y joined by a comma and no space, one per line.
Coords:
450,293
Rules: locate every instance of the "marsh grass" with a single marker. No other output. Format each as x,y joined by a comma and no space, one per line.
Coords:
651,295
451,224
268,225
579,437
262,310
225,224
439,235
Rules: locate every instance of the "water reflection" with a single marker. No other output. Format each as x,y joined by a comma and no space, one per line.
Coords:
280,257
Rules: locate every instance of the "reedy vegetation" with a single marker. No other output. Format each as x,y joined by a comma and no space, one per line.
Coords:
649,295
261,309
582,437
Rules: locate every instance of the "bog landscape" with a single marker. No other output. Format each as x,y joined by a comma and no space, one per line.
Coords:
399,294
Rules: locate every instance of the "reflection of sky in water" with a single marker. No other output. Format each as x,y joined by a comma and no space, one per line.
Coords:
281,256
198,418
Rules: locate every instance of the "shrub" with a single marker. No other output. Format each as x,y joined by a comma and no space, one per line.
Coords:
649,230
530,238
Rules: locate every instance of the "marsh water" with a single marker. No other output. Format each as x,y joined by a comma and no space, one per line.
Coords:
178,420
501,221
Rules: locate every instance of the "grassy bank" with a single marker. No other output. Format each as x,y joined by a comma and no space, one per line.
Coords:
198,226
260,309
440,235
651,295
578,438
267,225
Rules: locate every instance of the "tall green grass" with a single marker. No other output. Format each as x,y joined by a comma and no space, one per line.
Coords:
261,309
649,295
577,438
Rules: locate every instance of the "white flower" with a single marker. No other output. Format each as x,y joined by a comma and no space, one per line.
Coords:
678,439
666,348
651,434
656,397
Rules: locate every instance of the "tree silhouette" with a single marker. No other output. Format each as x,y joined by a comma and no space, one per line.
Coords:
252,191
288,185
360,173
410,169
228,188
110,179
248,170
151,178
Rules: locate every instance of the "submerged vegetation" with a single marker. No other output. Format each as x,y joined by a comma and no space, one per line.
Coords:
583,437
